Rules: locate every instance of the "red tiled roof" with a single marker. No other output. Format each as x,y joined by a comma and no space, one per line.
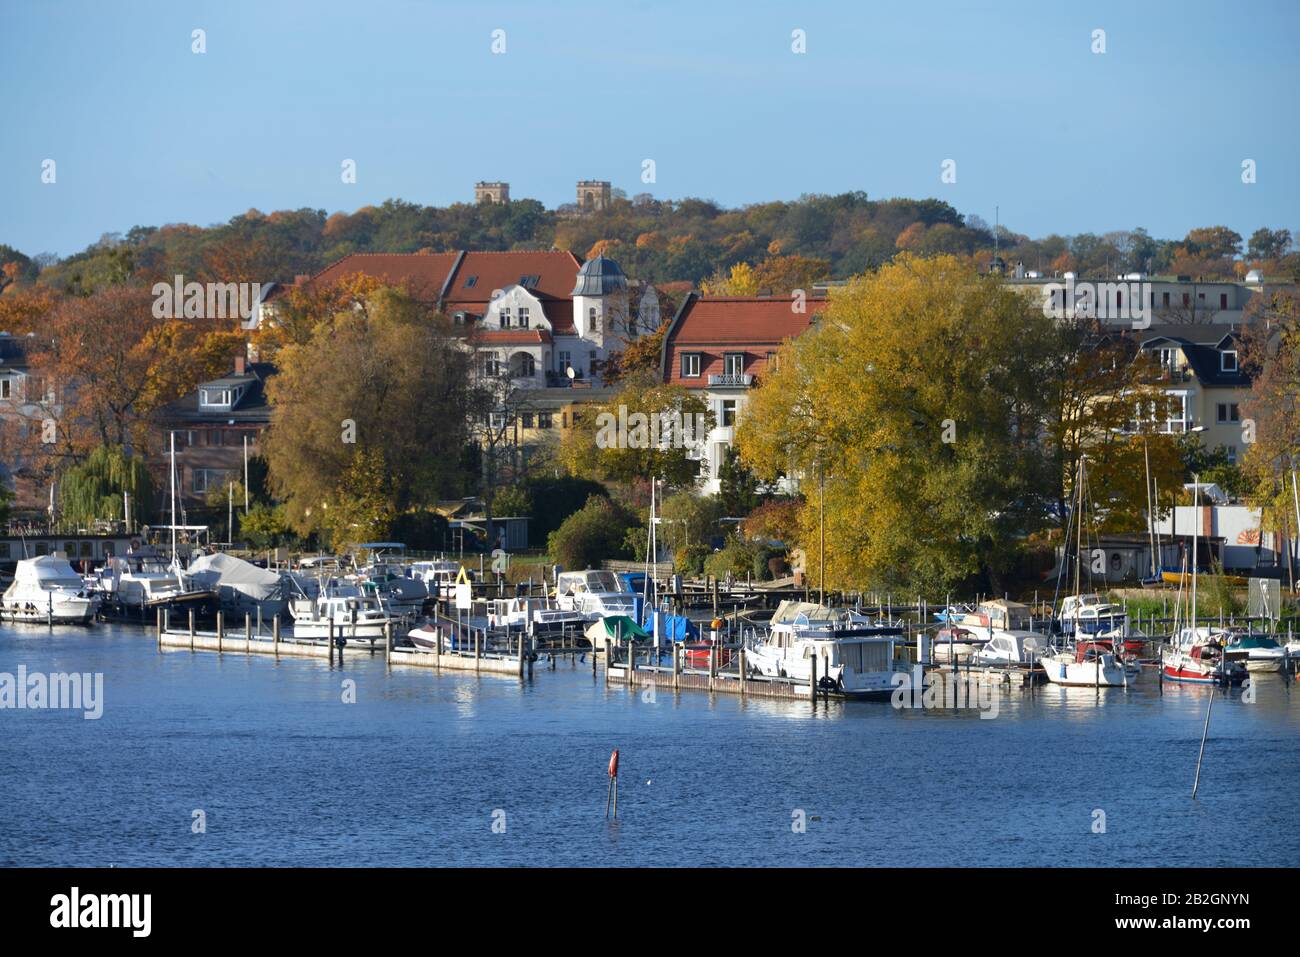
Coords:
556,272
742,319
512,337
422,273
713,326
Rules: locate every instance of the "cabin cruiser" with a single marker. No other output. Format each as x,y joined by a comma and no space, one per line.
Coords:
400,592
851,657
594,594
1011,648
1090,615
994,613
135,586
1197,658
536,617
242,588
347,611
1259,653
439,577
1089,664
47,589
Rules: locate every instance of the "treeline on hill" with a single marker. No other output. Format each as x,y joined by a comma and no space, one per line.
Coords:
660,241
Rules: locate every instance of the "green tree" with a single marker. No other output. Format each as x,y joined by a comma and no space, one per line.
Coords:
595,532
93,489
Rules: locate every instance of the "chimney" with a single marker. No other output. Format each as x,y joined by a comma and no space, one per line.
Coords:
239,365
301,279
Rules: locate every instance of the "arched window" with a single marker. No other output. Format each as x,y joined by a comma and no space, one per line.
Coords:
522,366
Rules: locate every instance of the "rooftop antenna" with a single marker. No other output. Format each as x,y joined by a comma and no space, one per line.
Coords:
996,223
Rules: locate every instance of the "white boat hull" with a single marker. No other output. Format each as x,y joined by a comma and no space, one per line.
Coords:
1064,670
63,611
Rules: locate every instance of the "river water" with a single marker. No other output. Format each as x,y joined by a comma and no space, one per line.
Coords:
201,759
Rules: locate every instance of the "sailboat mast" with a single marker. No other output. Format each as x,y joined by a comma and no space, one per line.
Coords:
1078,532
1196,531
172,476
1151,519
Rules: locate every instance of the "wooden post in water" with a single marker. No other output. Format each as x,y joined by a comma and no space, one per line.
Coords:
388,645
221,629
275,636
330,649
160,626
740,668
248,632
191,629
521,656
812,679
677,666
607,661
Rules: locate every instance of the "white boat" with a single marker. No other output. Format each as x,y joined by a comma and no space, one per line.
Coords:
1088,665
399,591
342,610
594,594
132,587
439,577
1259,653
47,589
851,657
242,587
1090,615
535,616
1011,648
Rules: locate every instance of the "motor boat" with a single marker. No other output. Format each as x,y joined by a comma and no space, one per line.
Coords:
439,577
536,617
1259,653
1196,657
1011,648
1089,664
135,586
593,593
399,591
1090,615
242,588
46,589
343,610
853,658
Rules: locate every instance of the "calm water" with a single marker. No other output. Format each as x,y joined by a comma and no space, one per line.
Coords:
412,773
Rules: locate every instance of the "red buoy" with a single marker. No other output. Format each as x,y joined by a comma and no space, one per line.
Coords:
613,764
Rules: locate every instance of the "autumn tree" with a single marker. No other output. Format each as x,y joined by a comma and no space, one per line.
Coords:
380,391
913,412
646,429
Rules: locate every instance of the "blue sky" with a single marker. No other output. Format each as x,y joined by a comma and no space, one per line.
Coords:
1152,132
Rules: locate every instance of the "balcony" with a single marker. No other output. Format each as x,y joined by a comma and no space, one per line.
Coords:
739,380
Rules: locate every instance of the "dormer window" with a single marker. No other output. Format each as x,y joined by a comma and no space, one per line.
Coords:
215,398
471,282
1228,360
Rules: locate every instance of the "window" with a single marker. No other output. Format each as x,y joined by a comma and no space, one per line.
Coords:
526,420
522,366
1187,299
733,363
1228,360
203,480
1200,296
591,361
690,365
543,420
1223,300
528,282
6,388
1232,454
505,317
523,317
87,549
1229,412
215,398
591,318
4,549
565,360
471,282
489,364
728,416
1165,300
